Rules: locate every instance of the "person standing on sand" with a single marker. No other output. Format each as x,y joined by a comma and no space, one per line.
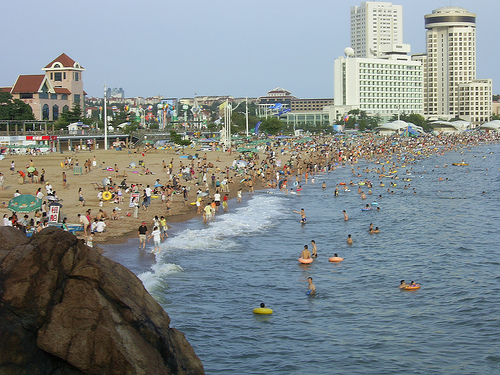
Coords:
238,196
64,180
85,223
80,197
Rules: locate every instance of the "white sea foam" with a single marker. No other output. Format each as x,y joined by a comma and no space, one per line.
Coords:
259,214
158,270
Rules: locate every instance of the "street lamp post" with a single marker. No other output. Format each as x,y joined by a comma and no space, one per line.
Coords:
246,116
105,121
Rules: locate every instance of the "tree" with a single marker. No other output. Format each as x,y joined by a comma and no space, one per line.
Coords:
69,117
177,139
272,125
14,109
239,122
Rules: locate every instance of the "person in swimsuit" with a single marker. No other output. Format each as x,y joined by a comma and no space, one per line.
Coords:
305,254
302,214
314,249
349,239
312,287
402,284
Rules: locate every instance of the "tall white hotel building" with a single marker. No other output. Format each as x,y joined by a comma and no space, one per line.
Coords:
374,24
377,76
450,85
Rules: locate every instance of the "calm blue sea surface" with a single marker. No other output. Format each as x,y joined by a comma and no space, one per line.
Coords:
445,237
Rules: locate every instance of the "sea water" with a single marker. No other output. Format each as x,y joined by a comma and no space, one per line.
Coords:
445,237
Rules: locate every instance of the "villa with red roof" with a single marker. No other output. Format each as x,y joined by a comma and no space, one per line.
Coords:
54,92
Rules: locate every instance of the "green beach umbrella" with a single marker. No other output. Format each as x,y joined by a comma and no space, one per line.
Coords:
25,203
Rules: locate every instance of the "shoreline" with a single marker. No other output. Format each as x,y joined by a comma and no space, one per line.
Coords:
307,156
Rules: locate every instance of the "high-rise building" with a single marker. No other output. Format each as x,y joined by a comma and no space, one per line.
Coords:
374,24
450,85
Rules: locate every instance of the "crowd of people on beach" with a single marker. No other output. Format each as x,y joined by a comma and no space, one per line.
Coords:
203,185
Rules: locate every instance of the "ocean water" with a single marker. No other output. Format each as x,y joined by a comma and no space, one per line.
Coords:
445,237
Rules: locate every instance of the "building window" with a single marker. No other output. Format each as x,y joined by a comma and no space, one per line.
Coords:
76,98
64,96
77,76
65,109
26,95
43,95
58,76
45,112
64,75
53,96
55,112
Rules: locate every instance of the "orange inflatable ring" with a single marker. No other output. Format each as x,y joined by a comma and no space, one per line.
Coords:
305,261
411,287
335,259
342,183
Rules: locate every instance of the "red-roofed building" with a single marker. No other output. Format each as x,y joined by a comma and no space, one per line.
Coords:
54,92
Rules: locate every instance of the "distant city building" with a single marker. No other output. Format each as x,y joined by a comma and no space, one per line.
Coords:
374,24
450,85
115,93
54,92
292,110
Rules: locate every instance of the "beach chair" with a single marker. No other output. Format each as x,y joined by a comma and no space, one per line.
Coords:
97,186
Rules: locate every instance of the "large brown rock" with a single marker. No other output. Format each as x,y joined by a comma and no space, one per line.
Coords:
65,309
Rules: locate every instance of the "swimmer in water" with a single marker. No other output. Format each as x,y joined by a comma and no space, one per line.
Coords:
349,239
323,186
312,287
345,216
314,249
402,284
305,254
302,214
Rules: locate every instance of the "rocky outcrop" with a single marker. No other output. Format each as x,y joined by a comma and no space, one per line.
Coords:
65,309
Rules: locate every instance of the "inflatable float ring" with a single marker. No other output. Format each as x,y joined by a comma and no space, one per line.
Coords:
107,195
262,310
305,261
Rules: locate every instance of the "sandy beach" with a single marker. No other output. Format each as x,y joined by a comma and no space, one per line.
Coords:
305,158
125,227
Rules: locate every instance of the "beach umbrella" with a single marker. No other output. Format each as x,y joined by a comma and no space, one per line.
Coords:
240,163
25,203
31,169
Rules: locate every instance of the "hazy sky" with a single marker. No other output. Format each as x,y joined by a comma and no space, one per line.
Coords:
211,47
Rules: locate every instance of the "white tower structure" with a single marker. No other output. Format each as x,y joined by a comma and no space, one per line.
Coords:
374,24
450,85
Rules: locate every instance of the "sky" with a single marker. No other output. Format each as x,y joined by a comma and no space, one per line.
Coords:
213,47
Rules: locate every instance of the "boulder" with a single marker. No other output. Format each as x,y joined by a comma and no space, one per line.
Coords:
66,309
